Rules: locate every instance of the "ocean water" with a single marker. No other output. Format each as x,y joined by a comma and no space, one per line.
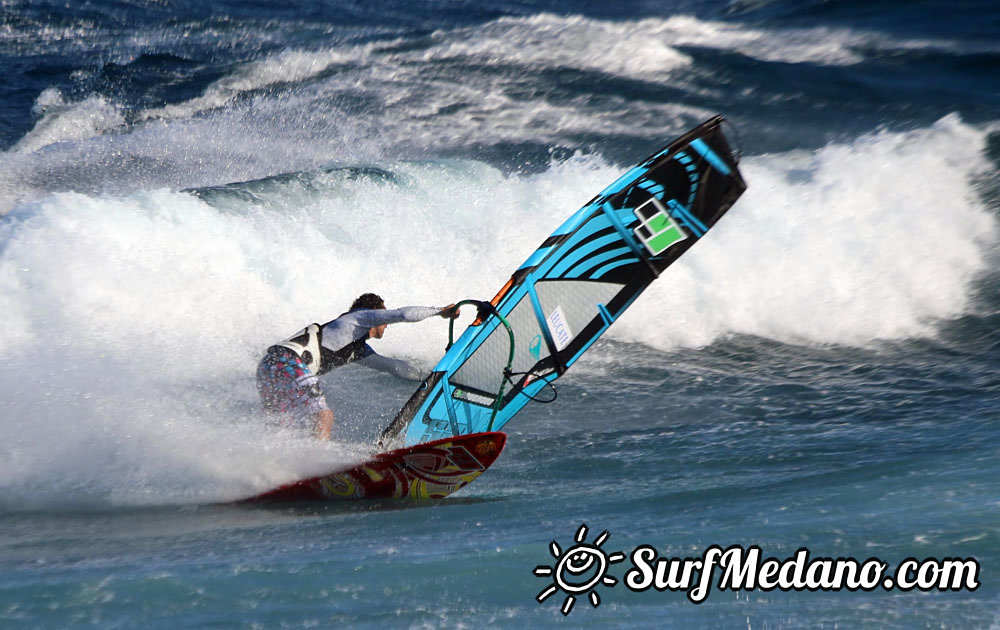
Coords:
183,183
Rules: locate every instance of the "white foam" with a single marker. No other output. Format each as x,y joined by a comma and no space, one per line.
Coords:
540,42
627,48
646,49
290,66
877,239
858,228
68,122
127,369
293,109
417,98
86,430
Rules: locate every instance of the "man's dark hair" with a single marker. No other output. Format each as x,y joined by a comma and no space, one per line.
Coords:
368,300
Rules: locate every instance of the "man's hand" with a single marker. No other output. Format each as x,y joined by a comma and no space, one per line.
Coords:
449,312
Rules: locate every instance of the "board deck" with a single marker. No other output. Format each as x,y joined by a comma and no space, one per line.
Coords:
432,470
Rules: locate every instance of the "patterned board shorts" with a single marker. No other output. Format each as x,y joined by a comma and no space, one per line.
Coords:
288,389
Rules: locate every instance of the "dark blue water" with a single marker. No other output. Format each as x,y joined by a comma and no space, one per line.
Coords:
822,372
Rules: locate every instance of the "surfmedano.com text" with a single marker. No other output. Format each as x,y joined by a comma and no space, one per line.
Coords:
739,568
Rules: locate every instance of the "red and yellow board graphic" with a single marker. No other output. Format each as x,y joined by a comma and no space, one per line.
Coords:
424,471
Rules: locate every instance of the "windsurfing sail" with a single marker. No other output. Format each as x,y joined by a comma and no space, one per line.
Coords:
573,287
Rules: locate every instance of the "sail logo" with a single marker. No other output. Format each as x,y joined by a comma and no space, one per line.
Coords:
561,333
657,230
535,347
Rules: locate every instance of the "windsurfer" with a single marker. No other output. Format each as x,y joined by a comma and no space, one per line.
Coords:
287,375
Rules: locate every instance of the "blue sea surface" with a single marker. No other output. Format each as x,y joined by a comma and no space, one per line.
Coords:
183,183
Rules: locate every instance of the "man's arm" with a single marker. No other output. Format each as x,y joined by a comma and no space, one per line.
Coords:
370,318
397,367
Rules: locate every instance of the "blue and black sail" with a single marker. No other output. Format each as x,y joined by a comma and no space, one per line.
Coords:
574,286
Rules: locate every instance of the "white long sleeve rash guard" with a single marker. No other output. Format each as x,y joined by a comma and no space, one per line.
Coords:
354,325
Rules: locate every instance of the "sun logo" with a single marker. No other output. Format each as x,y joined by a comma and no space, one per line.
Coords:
580,569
